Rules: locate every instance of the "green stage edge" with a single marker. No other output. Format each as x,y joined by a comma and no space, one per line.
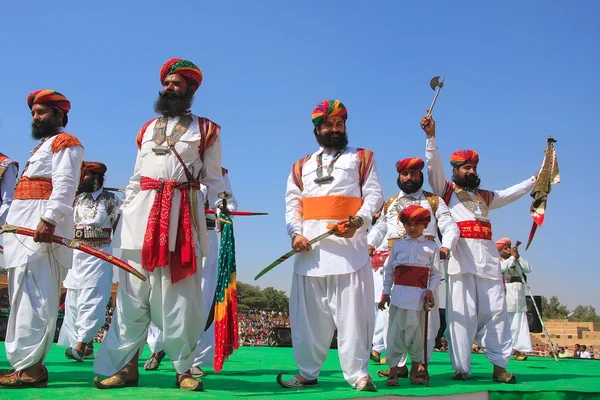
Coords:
251,373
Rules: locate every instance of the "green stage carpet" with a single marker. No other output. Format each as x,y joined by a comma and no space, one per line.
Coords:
251,373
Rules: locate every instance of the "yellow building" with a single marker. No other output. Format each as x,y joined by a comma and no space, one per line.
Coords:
565,333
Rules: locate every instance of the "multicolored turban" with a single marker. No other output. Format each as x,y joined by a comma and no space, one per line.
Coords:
415,213
328,108
416,164
50,98
184,68
462,157
503,242
94,167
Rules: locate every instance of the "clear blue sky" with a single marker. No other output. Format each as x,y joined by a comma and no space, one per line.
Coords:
516,72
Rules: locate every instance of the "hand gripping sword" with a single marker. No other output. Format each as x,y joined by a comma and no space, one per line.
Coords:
351,221
536,307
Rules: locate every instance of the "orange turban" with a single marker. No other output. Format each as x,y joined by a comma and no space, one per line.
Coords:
52,99
462,157
503,242
328,108
416,164
184,68
94,167
415,213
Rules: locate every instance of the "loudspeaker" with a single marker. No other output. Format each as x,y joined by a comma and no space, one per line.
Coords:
282,337
535,325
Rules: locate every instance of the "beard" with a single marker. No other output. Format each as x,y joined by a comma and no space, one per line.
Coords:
333,140
87,186
45,127
410,186
469,181
171,103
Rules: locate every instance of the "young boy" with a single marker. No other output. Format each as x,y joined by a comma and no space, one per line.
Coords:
414,268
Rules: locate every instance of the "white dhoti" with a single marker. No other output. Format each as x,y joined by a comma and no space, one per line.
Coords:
317,306
379,333
85,314
519,331
175,309
155,339
477,311
405,336
34,291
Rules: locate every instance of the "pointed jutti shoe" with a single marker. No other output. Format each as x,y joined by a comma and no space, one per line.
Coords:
14,381
115,382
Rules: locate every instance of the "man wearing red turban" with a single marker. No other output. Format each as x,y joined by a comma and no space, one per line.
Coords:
474,270
43,201
163,234
389,228
89,281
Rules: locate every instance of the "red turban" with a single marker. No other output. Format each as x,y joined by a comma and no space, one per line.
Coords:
94,167
50,98
328,108
503,242
415,213
184,68
416,164
462,157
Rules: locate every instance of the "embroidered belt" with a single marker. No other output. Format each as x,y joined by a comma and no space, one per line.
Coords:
92,233
409,275
392,240
155,249
475,229
33,189
330,207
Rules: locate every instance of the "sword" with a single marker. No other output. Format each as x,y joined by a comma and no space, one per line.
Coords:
76,245
524,282
351,221
242,213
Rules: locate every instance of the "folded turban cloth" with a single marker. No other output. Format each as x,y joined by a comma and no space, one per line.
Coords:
415,213
462,157
50,98
410,163
95,167
503,242
328,108
184,68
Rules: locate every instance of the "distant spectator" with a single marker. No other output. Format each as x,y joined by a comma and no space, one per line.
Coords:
577,351
584,353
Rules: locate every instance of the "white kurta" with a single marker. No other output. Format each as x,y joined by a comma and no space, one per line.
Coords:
472,271
516,304
388,226
174,308
36,270
7,188
332,284
89,281
379,331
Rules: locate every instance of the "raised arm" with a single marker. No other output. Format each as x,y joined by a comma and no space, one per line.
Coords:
435,169
513,193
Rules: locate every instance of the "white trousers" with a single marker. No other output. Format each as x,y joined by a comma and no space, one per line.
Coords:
379,333
206,344
85,314
405,335
320,304
34,291
519,331
477,311
433,327
176,309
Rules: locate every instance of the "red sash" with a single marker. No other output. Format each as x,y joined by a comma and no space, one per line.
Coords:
408,275
475,229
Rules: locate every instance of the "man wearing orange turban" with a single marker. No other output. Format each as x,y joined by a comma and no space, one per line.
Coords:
474,270
513,267
89,281
389,228
328,186
163,234
43,201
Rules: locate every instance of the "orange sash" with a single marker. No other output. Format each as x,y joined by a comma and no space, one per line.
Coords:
330,207
33,189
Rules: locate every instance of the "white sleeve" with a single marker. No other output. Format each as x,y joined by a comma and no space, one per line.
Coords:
133,187
447,226
232,204
525,267
293,208
506,264
7,189
211,174
378,231
66,171
372,195
436,272
388,272
515,192
435,169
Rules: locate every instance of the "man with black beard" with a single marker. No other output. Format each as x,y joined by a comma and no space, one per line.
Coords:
389,229
43,202
161,227
89,281
332,284
476,305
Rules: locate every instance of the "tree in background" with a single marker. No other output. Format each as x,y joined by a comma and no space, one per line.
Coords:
253,298
277,300
584,314
553,309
